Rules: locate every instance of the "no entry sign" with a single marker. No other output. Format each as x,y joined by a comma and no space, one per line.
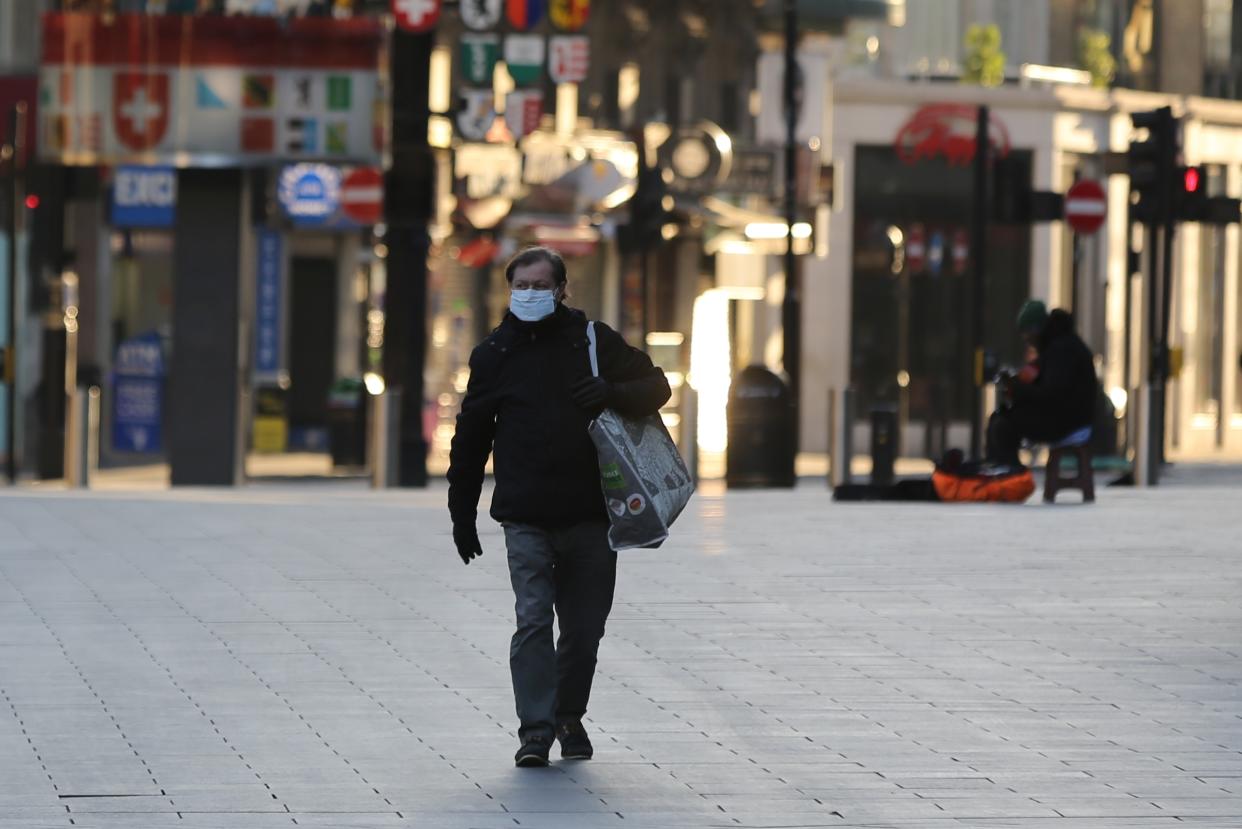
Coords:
362,195
1085,206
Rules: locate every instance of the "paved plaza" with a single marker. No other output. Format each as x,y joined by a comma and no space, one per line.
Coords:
317,655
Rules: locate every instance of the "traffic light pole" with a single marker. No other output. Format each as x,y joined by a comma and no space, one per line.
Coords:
791,311
407,207
978,256
15,151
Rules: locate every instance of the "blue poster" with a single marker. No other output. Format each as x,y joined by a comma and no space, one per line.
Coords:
138,395
144,197
267,303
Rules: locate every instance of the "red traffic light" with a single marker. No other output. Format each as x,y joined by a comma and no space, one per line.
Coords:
32,201
1192,179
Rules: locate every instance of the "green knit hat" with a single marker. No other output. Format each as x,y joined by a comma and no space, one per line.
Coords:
1032,316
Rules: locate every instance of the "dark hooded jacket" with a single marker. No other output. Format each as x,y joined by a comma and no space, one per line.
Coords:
1061,400
518,408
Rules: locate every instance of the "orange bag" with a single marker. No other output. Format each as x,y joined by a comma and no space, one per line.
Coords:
1011,488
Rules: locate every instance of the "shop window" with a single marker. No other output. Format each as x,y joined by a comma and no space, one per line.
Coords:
1207,339
911,318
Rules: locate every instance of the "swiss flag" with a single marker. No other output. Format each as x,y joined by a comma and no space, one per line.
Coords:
140,108
416,15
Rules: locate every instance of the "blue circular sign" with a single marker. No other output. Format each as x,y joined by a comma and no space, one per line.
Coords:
310,193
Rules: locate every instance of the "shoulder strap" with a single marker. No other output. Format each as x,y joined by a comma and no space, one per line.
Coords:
591,349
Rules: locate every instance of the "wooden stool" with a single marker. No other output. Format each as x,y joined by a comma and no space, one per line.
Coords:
1083,480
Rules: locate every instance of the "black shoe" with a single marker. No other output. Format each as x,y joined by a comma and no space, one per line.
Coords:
575,745
533,753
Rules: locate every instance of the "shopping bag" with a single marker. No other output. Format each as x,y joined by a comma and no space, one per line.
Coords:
645,482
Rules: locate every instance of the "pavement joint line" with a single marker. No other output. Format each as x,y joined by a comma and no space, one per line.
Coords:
77,669
171,677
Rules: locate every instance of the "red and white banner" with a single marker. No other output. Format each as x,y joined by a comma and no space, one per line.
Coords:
569,58
192,91
416,15
523,109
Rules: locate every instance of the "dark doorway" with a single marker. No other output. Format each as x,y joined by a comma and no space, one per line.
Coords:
911,345
312,341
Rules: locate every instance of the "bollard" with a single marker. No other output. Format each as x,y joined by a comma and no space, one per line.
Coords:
883,445
93,419
382,442
688,433
840,436
377,439
81,436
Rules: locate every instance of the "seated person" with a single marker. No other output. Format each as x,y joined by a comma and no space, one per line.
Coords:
1052,397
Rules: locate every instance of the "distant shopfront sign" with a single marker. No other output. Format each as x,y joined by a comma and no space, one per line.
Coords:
948,131
317,195
144,197
208,90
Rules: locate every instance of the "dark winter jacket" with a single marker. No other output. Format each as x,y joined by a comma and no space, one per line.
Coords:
518,407
1061,400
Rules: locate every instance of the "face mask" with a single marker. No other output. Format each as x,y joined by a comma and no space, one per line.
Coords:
531,305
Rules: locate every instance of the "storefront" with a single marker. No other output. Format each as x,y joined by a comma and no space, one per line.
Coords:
887,314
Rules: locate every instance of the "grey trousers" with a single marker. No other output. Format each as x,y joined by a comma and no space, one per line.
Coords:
570,572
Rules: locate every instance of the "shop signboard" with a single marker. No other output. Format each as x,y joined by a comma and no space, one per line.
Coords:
267,306
524,14
137,395
310,193
523,109
144,196
207,90
329,197
569,58
476,113
416,15
569,15
948,130
479,54
480,14
524,57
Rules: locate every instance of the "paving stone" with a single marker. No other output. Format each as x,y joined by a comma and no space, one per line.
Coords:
248,658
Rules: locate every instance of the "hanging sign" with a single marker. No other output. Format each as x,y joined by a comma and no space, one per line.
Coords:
569,15
480,14
569,58
416,15
523,109
144,197
206,91
267,305
479,54
524,15
476,114
310,193
524,57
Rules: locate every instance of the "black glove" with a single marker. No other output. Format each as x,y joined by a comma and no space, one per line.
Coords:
591,393
466,537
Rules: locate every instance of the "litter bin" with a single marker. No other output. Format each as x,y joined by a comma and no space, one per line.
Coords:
347,422
761,431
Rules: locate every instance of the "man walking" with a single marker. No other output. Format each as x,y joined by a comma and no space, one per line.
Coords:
529,400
